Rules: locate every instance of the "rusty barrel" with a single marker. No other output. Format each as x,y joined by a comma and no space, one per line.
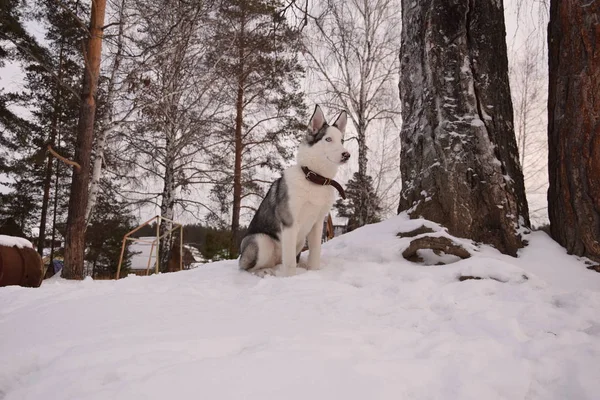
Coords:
20,266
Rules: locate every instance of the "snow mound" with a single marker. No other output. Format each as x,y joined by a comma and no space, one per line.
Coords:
10,241
368,325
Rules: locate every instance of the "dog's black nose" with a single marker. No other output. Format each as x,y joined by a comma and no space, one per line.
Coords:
345,156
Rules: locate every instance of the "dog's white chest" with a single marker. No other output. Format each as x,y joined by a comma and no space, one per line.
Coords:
308,201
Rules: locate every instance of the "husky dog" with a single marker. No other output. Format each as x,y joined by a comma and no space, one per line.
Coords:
296,204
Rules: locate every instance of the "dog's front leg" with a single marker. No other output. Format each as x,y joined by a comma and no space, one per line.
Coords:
314,245
288,251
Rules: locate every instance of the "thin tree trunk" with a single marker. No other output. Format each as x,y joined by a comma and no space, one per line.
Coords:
50,270
574,126
237,165
361,133
167,205
460,163
52,141
237,175
75,237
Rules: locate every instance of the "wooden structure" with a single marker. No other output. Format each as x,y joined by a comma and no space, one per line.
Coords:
329,228
155,243
20,266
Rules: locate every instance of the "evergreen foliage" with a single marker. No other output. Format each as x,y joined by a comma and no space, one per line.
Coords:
362,206
255,53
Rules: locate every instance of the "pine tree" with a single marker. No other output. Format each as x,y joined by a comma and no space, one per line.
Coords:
255,53
362,206
459,158
573,120
75,234
50,94
104,235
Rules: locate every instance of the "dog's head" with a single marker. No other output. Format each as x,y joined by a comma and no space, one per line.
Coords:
322,149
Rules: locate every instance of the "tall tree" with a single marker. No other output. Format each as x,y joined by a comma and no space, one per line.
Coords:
75,234
108,123
459,158
528,87
352,48
178,101
574,126
258,53
50,96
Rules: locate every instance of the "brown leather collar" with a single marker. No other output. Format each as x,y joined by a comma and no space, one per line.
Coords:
321,180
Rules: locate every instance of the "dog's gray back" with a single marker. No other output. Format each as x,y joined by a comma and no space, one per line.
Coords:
272,214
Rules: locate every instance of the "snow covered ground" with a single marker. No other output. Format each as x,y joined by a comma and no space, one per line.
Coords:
369,325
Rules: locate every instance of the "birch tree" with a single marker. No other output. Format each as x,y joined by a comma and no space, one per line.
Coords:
529,96
177,106
459,158
352,52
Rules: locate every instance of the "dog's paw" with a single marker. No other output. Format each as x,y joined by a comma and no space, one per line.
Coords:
312,265
303,265
283,271
265,272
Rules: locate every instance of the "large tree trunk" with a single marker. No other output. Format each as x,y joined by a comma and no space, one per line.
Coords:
459,158
574,126
75,237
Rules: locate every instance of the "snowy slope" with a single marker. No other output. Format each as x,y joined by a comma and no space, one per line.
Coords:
369,325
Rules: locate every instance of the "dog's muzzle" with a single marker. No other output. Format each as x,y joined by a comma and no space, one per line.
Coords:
345,156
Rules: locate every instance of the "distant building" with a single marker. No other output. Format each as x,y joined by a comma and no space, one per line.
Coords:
340,225
141,255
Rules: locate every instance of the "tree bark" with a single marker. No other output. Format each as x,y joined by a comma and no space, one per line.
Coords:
75,236
237,175
574,126
238,143
167,208
459,157
107,123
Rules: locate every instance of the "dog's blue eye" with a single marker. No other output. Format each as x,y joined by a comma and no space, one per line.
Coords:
328,139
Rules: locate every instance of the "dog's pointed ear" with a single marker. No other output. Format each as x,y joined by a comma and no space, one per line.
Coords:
316,121
341,122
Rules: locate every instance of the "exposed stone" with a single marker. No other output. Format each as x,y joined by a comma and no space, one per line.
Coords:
415,232
439,245
594,267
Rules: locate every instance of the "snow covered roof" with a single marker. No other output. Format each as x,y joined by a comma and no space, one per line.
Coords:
339,221
11,241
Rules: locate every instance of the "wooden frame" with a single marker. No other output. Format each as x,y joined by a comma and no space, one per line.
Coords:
155,242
